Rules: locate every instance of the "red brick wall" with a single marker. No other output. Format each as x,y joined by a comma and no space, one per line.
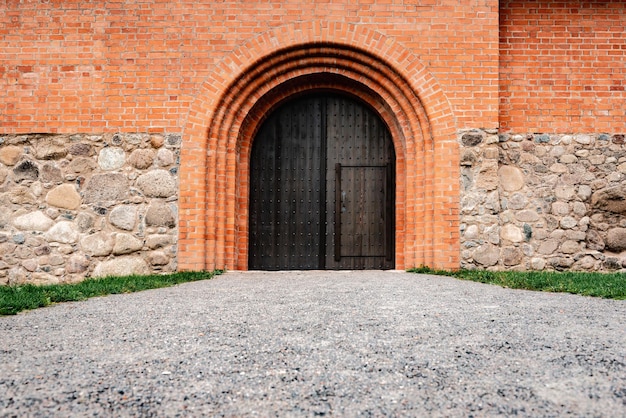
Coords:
94,66
563,66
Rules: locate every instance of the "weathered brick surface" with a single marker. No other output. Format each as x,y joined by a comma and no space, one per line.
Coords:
562,66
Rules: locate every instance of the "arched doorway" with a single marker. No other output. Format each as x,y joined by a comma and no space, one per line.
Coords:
322,187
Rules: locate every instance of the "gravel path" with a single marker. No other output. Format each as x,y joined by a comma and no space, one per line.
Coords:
318,343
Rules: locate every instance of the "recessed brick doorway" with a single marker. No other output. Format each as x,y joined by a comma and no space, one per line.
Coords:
322,187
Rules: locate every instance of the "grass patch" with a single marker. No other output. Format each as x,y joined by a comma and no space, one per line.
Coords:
14,299
604,285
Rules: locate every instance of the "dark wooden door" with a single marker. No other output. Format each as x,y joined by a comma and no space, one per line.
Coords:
322,188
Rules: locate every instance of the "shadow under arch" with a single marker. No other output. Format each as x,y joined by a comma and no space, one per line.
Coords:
225,116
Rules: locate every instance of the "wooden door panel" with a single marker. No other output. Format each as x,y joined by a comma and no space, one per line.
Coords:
285,215
293,183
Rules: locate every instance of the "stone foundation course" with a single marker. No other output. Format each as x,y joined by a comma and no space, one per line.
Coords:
543,202
82,205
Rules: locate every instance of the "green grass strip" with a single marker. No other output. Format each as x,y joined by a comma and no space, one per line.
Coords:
604,285
14,299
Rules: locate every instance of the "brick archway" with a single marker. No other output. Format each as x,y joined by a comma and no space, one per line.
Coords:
295,59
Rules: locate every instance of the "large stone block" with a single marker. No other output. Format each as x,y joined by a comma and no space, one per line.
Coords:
157,183
34,221
160,214
64,196
612,199
616,239
124,217
111,158
126,244
511,178
64,232
102,188
98,244
10,154
121,266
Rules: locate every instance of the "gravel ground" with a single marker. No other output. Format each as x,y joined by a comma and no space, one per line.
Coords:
318,343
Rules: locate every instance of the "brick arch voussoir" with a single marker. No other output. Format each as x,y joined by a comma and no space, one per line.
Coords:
403,93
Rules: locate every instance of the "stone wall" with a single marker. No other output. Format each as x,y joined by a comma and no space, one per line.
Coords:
87,205
543,202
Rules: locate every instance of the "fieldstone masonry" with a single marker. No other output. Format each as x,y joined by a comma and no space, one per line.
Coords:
75,206
543,202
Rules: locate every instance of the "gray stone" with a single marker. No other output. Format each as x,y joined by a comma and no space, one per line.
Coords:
565,193
158,258
612,263
160,214
26,170
77,263
126,244
141,158
579,208
570,247
594,240
121,266
616,239
471,232
64,232
517,201
511,256
111,158
537,263
542,138
568,222
492,202
157,183
583,139
82,165
511,178
472,139
568,159
124,217
468,158
612,199
561,263
51,174
50,149
558,168
527,216
21,196
173,139
165,157
559,208
548,247
487,255
34,221
30,264
492,234
84,221
106,188
487,176
42,250
158,241
64,196
511,233
10,154
80,149
98,244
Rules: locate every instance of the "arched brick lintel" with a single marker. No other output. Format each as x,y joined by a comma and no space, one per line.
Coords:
292,60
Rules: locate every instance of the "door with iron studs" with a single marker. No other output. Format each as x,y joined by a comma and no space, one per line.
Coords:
322,187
